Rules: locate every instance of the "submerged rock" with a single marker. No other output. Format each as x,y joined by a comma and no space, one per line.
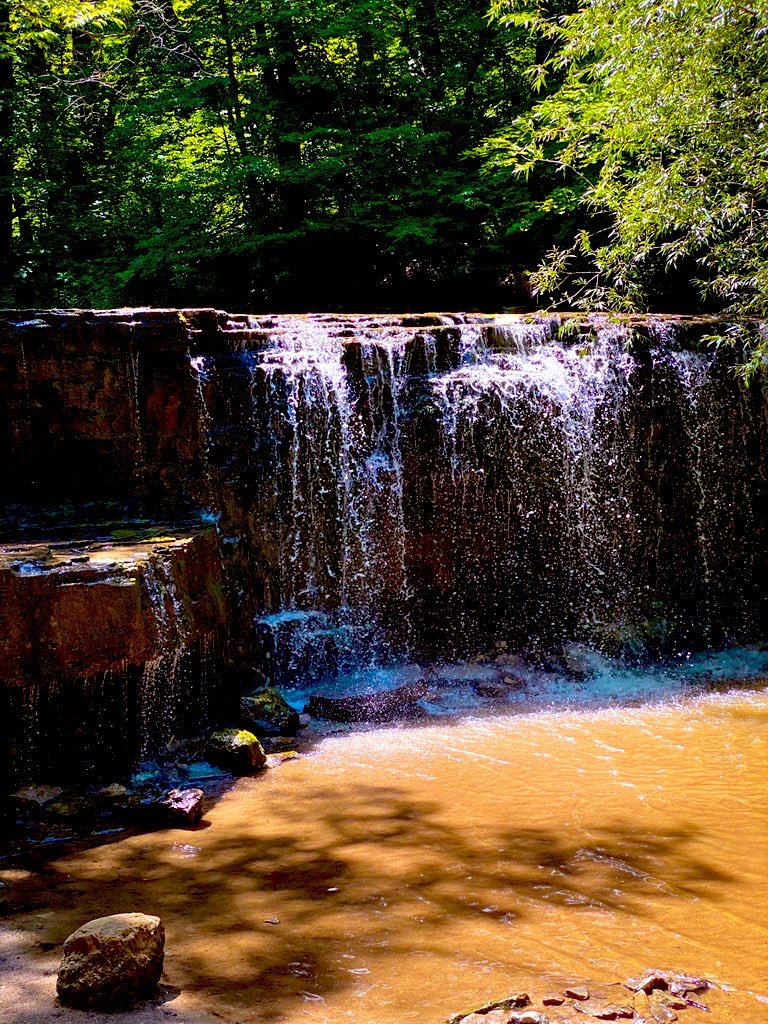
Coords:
265,713
237,751
496,691
384,706
517,1001
112,962
73,805
678,984
577,992
604,1011
278,744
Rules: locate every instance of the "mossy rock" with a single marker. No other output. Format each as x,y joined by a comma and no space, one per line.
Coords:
267,714
237,751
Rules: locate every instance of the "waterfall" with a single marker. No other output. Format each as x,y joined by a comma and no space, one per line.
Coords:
303,498
331,439
419,491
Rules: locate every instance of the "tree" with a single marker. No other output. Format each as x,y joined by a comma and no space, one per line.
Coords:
256,153
658,129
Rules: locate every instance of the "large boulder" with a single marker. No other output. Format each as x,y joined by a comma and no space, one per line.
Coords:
237,751
112,962
265,713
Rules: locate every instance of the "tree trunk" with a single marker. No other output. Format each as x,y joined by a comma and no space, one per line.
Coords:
7,84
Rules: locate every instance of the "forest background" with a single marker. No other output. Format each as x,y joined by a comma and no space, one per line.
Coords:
374,154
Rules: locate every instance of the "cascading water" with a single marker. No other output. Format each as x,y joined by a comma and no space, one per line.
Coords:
332,442
423,491
537,448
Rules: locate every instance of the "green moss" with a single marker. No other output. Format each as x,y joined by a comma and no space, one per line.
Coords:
243,736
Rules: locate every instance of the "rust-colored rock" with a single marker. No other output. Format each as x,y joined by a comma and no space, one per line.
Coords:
71,616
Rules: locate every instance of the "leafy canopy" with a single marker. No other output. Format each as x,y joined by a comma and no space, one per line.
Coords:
657,123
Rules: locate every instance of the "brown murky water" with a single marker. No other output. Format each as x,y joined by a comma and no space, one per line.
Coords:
400,875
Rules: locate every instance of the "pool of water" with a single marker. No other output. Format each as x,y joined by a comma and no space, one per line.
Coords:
402,874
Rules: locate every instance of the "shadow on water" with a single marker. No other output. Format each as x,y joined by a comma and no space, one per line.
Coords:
264,911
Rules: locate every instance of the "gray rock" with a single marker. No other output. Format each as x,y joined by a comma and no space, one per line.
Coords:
115,791
111,963
237,751
580,661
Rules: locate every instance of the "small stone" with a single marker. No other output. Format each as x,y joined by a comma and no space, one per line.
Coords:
673,1002
113,792
304,720
553,999
604,1011
275,760
682,984
642,1004
494,1017
112,962
577,992
184,806
513,1002
646,982
659,1011
515,681
529,1017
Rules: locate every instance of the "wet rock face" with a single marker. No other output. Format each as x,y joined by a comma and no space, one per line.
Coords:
266,713
110,963
237,751
77,610
94,634
95,403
